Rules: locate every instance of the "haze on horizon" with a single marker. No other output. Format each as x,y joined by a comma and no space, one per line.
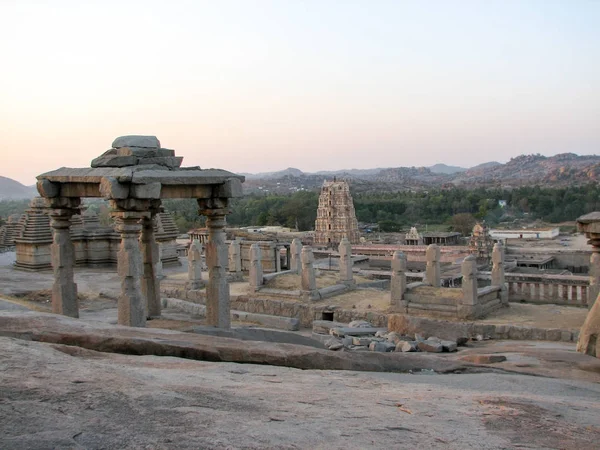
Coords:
316,85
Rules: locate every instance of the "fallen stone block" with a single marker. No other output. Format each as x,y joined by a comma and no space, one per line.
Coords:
324,326
361,341
382,347
349,331
430,346
449,346
360,324
406,346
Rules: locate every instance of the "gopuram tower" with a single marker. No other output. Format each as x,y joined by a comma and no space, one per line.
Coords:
336,218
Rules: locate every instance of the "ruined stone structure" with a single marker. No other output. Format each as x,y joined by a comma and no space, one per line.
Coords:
480,244
413,237
134,175
10,231
589,336
336,218
94,245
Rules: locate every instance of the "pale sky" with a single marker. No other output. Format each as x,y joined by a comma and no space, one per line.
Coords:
257,85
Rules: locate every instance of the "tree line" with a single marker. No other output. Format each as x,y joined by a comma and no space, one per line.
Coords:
392,211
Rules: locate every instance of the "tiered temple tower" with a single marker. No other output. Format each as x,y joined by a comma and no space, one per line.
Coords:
336,218
481,244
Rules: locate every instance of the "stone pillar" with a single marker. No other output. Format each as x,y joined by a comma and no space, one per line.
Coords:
158,267
469,307
432,271
277,258
132,303
308,277
256,271
398,281
295,249
235,260
594,288
195,265
217,289
345,251
498,278
64,289
150,259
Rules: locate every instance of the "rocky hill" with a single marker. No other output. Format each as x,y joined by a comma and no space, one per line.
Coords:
559,170
13,190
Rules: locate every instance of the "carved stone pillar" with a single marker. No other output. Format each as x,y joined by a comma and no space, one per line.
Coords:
398,282
255,273
295,250
498,278
64,289
217,290
432,271
345,251
150,260
308,280
132,303
195,265
469,307
235,260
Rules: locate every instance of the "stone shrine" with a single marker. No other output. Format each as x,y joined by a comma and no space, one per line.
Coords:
94,245
134,176
336,218
481,244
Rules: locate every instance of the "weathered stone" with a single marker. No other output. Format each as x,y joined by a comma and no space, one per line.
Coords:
553,334
256,271
361,341
195,265
48,189
145,152
295,251
170,162
109,160
360,324
345,251
136,141
432,270
566,336
381,347
430,346
325,326
398,280
231,188
449,346
308,276
145,191
112,189
484,359
406,346
347,331
409,325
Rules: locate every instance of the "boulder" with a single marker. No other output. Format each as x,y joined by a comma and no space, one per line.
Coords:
430,346
382,347
360,324
406,346
136,141
449,346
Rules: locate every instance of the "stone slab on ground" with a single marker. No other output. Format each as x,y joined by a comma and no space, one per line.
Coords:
348,331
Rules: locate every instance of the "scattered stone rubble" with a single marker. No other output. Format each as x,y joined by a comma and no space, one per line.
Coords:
361,335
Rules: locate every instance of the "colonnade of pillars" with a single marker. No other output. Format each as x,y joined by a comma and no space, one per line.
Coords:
137,261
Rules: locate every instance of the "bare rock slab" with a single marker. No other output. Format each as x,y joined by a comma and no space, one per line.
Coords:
484,359
136,141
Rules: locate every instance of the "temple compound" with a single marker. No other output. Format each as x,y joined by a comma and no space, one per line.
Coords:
134,175
336,218
94,245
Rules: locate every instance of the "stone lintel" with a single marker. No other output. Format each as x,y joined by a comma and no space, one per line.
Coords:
110,188
145,191
132,206
230,189
47,188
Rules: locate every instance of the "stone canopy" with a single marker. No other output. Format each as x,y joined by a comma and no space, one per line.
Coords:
134,175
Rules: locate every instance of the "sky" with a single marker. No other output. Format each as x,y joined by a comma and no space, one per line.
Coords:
259,85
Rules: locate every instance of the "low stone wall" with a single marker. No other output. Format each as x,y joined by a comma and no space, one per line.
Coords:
405,324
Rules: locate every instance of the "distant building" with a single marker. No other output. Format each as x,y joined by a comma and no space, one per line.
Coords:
413,237
530,233
441,238
336,218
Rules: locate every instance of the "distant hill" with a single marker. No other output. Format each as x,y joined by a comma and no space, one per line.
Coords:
443,168
13,190
559,170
